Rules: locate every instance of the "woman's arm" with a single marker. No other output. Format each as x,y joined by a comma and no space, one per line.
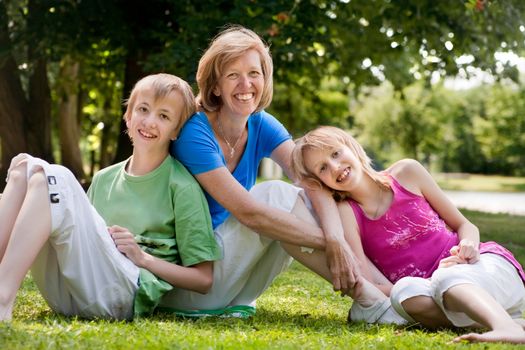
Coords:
412,175
198,278
344,267
271,222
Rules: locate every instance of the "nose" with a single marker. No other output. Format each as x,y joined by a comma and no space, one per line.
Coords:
245,81
149,120
333,164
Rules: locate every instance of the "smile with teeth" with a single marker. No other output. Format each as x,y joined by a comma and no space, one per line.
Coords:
344,175
146,134
244,97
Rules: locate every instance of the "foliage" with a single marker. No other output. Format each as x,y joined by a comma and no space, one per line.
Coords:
324,51
481,130
299,311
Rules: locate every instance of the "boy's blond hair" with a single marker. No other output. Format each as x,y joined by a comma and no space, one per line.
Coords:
226,47
329,137
162,85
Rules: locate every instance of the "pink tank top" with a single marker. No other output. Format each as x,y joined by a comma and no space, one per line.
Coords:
410,238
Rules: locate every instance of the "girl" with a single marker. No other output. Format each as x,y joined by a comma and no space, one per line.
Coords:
403,222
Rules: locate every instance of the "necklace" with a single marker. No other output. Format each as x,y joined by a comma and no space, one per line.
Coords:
221,132
378,203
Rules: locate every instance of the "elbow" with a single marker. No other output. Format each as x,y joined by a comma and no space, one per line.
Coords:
205,285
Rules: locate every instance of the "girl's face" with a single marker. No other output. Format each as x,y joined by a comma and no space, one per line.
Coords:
241,85
338,168
153,122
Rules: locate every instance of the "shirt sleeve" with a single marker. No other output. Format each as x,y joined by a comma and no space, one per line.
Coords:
273,133
196,147
195,237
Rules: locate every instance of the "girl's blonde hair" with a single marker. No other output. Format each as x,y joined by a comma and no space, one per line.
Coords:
226,47
329,137
162,85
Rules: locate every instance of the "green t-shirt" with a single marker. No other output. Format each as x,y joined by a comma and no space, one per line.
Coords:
167,212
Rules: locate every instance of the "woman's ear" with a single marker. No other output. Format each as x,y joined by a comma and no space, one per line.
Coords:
216,91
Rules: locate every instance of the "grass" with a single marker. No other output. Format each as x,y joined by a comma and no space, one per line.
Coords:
299,311
473,182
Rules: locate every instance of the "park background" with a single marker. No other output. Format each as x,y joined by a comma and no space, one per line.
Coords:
438,81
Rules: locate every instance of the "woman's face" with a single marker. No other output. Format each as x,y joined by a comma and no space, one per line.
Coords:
241,85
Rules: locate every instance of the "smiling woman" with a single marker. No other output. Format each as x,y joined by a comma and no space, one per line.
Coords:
259,226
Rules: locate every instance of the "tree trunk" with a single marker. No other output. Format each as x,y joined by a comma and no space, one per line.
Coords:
68,116
134,71
12,103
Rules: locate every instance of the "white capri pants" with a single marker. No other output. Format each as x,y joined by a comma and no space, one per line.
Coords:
250,263
492,272
79,270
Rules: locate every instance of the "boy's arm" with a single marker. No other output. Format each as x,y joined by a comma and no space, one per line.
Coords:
367,268
412,175
198,277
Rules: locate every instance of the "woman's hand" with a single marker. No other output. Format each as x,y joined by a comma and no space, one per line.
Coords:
344,267
126,244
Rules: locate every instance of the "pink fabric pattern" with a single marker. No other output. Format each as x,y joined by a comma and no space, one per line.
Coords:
410,238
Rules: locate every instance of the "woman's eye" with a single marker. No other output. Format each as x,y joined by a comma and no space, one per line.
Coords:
232,76
255,74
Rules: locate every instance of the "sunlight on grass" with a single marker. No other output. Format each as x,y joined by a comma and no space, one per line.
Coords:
299,311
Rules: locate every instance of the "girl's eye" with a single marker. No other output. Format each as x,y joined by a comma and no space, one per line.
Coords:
322,168
335,154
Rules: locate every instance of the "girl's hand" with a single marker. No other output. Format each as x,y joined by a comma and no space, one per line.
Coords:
125,243
451,261
467,250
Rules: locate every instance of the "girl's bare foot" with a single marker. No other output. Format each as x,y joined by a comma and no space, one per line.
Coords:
516,335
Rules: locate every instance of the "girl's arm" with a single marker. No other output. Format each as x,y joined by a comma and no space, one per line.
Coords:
367,268
413,176
198,278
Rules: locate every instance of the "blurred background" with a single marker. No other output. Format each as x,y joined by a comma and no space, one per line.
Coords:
438,81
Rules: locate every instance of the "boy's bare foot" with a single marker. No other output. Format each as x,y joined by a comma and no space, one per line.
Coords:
515,336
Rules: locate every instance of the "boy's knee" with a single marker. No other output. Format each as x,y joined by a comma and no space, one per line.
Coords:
38,179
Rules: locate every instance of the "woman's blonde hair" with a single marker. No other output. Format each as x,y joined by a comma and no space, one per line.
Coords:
226,47
329,137
162,85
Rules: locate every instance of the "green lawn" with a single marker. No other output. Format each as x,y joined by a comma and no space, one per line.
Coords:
473,182
299,311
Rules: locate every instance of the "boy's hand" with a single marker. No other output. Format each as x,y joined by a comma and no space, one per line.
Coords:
126,244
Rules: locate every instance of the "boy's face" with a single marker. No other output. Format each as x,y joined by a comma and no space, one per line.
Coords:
152,122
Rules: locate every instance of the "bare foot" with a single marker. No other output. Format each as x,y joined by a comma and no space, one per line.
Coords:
515,336
6,313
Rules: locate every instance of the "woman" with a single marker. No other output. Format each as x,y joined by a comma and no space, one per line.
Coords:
222,146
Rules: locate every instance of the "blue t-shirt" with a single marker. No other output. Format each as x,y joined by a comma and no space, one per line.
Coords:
197,148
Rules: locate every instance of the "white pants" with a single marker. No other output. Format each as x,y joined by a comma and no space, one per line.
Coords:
492,272
250,263
79,271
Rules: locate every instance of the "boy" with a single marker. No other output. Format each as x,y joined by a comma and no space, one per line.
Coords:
159,234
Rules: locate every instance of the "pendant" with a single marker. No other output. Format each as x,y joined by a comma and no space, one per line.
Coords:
232,151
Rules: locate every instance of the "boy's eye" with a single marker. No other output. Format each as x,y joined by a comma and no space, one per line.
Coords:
142,109
164,116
